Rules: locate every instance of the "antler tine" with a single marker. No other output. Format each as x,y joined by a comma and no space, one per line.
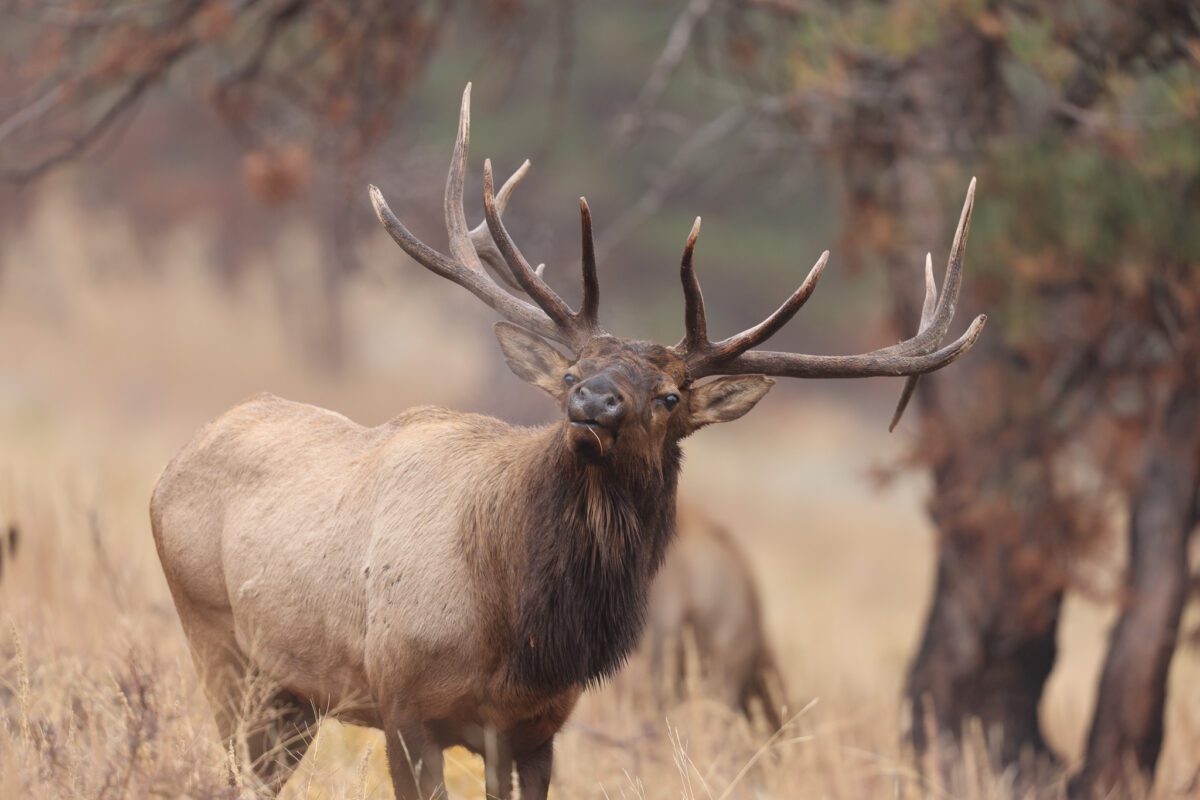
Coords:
931,294
929,338
481,237
474,247
695,337
575,328
740,343
936,321
534,286
506,191
927,311
589,305
461,246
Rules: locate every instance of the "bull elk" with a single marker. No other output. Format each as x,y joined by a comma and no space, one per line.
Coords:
447,577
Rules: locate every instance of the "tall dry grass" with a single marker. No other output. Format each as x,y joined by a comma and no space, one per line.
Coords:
113,350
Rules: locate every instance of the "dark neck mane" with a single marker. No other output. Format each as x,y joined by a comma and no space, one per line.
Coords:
594,538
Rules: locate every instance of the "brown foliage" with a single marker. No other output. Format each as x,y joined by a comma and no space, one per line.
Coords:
276,175
327,74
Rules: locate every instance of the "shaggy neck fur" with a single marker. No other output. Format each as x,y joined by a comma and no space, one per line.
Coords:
594,536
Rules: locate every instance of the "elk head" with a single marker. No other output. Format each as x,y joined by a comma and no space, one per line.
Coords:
627,399
624,399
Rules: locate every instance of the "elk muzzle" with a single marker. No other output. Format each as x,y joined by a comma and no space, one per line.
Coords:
595,409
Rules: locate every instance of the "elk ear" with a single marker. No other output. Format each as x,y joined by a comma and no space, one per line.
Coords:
725,399
531,358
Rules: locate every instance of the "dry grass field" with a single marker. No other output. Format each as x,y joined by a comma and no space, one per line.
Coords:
112,351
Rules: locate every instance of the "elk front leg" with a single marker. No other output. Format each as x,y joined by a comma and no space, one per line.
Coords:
533,771
531,752
414,758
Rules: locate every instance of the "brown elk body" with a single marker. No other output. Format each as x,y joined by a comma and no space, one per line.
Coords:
450,578
704,606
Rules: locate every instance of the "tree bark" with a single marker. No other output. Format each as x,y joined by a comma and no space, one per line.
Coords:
989,642
1127,725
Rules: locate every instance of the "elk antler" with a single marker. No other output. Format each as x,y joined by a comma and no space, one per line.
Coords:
490,243
912,357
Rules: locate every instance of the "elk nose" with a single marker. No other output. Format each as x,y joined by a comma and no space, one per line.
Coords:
597,400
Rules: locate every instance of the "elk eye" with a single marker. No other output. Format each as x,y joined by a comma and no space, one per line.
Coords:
570,380
670,401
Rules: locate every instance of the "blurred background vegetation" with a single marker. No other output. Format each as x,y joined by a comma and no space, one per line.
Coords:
1062,455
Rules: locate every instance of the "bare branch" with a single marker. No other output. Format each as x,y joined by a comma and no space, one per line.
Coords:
665,65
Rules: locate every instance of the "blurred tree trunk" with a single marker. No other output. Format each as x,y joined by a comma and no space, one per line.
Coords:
989,641
331,339
1127,726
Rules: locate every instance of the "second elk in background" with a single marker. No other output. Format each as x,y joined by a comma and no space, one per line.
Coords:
704,626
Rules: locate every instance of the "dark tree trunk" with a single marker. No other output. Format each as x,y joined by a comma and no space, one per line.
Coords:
989,640
1127,726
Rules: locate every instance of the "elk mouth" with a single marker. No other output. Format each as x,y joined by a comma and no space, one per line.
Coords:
591,439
